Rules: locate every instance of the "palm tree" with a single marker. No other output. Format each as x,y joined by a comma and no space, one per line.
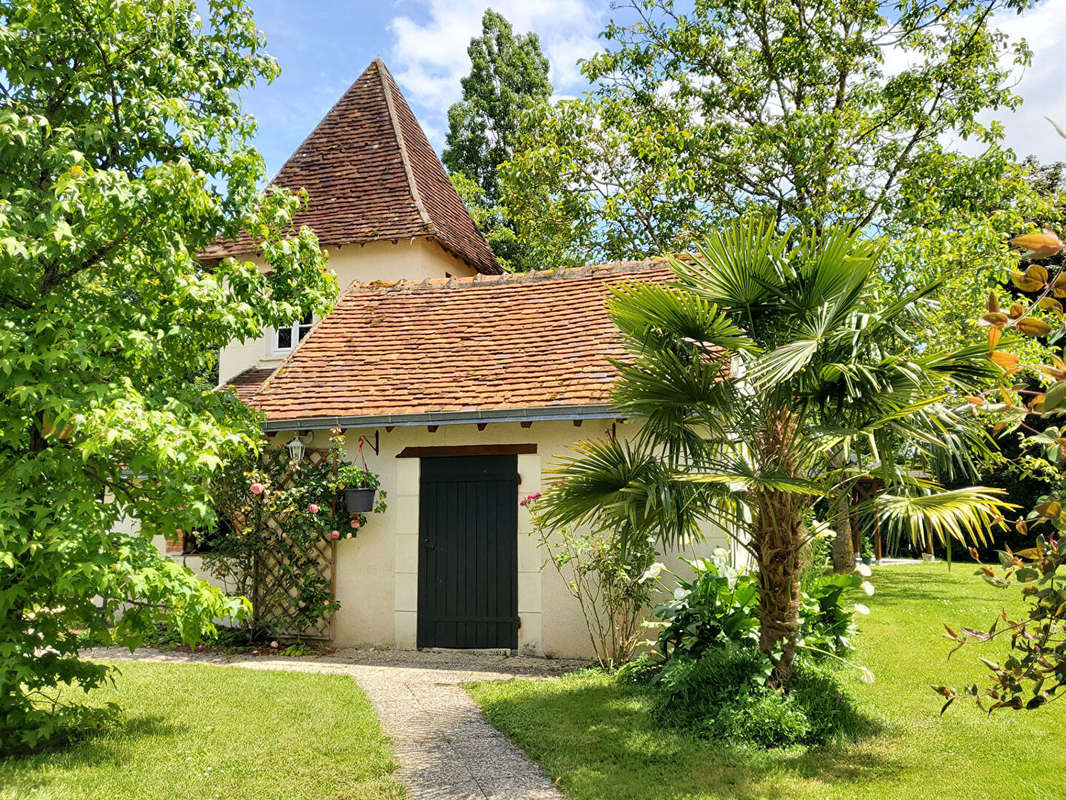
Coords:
767,376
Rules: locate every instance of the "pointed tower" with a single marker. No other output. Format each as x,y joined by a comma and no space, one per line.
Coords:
371,176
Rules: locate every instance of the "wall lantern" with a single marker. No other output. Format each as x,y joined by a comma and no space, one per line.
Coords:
296,449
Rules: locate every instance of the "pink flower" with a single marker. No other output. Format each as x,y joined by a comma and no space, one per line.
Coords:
522,502
334,535
355,523
312,508
257,488
274,645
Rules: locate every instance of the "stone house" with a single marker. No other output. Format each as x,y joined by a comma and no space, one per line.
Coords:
468,383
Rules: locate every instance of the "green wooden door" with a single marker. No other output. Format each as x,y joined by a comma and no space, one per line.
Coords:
468,552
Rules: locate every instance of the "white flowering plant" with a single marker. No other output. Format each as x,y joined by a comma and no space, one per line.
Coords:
719,606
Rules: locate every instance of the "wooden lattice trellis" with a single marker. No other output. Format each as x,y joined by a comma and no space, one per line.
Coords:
272,608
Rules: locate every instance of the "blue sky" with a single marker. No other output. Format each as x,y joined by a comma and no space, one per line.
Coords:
323,45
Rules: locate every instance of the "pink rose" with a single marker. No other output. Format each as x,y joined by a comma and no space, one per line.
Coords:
355,523
334,534
312,508
257,488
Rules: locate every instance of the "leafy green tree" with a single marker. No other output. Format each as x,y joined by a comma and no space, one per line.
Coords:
123,152
508,75
756,373
814,114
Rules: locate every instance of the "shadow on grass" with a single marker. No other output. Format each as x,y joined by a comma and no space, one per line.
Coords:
108,743
602,742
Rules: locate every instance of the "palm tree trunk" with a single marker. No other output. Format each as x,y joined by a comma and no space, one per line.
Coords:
778,542
843,546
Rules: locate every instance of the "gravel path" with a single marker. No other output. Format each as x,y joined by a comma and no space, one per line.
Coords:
445,748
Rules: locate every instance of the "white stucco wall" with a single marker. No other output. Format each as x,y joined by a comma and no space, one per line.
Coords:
408,259
377,572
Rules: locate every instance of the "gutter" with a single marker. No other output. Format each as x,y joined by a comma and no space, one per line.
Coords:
543,414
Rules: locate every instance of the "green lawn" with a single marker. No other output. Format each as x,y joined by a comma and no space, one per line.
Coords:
198,732
601,742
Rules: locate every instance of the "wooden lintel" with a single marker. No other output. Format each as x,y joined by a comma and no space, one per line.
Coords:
527,424
468,450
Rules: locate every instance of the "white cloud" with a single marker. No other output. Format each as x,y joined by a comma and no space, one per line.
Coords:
1042,85
428,55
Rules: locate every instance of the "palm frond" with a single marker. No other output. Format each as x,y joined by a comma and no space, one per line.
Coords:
671,391
964,515
657,317
612,484
738,477
734,266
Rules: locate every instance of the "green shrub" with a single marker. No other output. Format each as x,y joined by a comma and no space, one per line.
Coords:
722,695
690,691
816,690
641,671
764,719
826,613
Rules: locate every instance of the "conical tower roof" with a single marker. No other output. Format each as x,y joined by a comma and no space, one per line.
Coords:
370,175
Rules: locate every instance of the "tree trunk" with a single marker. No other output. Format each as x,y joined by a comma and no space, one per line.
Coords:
843,546
779,537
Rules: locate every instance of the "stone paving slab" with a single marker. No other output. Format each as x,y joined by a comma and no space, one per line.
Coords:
444,746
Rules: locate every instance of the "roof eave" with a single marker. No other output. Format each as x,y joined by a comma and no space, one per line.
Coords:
539,414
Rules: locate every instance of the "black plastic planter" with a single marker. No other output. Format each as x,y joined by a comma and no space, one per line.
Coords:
359,500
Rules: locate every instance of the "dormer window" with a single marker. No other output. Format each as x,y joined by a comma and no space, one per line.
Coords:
288,337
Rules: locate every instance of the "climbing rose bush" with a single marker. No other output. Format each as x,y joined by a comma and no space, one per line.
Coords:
277,512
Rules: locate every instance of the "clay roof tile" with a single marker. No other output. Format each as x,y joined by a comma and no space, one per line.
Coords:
507,343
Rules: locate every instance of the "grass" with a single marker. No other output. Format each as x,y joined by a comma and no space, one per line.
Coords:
599,740
196,732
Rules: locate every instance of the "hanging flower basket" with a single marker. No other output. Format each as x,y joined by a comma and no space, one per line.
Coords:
359,499
359,486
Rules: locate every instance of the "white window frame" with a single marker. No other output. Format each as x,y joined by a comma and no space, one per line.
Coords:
297,331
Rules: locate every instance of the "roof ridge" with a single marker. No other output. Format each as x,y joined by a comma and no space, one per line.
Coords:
390,103
506,278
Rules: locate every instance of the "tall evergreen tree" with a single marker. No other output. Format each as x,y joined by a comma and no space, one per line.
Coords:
508,74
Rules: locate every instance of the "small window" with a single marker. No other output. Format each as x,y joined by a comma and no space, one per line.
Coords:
286,338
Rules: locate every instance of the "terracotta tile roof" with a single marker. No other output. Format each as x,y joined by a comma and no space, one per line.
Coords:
248,382
536,340
371,174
